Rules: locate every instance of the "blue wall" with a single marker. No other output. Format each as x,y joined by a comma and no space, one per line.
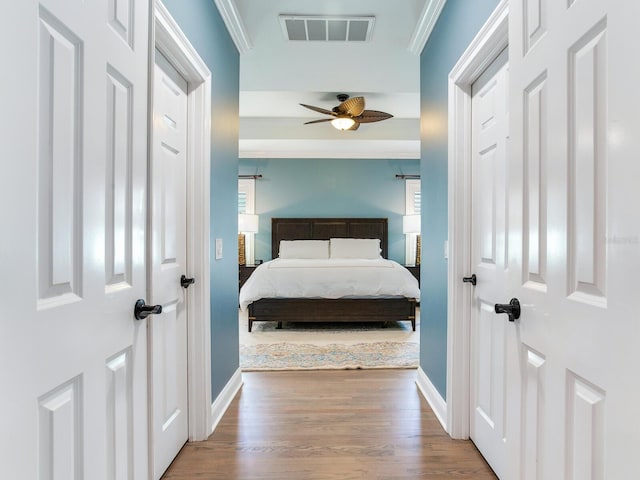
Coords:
330,188
201,23
458,24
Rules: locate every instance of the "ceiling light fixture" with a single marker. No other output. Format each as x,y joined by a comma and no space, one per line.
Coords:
343,122
349,114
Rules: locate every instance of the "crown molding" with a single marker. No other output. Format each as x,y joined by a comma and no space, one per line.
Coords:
232,20
427,21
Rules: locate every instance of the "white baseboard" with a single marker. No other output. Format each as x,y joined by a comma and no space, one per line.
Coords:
433,397
222,401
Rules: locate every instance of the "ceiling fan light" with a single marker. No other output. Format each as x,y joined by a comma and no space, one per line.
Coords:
343,123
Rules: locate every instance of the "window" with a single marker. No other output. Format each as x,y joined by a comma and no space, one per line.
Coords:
247,204
413,207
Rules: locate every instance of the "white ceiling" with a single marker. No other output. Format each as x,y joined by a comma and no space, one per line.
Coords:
276,75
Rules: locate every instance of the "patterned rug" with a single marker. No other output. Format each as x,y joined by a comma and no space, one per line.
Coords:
321,346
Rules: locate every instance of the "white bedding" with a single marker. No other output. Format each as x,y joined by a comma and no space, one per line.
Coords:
331,278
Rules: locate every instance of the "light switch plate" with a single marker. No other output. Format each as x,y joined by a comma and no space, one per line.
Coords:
446,249
218,248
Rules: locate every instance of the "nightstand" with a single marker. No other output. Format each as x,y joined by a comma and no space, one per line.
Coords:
245,272
415,271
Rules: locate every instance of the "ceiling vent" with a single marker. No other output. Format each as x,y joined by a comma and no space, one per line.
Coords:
305,28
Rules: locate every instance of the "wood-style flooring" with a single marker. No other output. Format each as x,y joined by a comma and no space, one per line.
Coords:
329,425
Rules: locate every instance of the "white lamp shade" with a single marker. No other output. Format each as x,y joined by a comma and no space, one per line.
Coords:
248,223
411,224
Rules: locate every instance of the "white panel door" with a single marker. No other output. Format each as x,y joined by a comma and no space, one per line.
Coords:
73,205
489,259
574,245
168,331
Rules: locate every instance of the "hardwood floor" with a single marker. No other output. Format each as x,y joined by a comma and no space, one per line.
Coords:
326,425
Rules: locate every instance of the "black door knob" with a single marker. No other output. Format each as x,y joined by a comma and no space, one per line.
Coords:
512,309
472,279
141,310
185,281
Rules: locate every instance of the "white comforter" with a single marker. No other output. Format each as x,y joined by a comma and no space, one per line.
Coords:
334,278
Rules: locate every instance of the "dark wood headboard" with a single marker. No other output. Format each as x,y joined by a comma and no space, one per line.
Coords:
326,228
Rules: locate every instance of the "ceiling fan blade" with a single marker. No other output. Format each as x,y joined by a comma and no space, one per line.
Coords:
370,116
352,106
319,121
355,126
319,110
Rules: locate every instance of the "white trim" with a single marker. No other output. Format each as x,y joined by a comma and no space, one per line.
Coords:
426,23
484,48
432,396
235,27
222,402
369,149
173,44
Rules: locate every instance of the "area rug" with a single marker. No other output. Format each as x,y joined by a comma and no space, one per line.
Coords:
324,346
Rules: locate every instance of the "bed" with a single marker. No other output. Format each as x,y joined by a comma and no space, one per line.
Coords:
353,306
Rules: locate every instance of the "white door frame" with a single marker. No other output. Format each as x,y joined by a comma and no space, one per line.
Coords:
492,39
174,45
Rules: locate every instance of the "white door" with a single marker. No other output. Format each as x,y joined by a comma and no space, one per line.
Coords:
73,204
489,261
168,331
574,240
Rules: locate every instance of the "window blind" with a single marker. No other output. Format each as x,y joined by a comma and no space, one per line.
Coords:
417,201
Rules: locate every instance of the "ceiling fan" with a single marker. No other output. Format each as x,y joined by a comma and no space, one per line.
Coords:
349,114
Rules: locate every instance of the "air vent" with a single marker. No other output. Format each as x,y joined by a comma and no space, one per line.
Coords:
299,28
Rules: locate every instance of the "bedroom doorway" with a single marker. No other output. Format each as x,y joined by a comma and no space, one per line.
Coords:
489,130
468,249
178,245
168,330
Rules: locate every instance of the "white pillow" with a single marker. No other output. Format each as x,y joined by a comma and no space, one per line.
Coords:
367,248
316,249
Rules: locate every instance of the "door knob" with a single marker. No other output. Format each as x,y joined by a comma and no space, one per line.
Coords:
472,279
512,309
185,281
142,310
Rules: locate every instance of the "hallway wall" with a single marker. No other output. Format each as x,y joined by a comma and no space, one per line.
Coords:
458,24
